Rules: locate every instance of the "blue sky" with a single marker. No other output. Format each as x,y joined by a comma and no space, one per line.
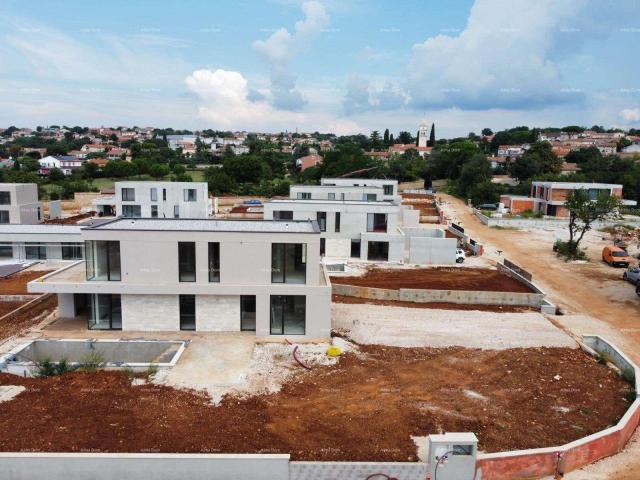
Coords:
342,66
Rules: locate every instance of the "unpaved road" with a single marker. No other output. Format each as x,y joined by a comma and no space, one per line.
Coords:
591,289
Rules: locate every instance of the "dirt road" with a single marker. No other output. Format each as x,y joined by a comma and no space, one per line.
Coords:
581,290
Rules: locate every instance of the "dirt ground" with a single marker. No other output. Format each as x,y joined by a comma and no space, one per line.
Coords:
6,307
437,278
434,305
16,284
72,220
590,289
366,407
26,319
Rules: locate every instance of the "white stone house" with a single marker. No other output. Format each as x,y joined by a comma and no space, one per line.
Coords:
19,203
149,199
261,277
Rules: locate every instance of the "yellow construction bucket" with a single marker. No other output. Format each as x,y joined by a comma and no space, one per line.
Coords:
333,351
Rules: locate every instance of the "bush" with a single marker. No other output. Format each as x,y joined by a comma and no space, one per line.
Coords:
92,361
569,250
531,214
47,368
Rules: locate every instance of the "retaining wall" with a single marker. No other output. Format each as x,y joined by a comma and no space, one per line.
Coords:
539,462
528,223
449,296
117,466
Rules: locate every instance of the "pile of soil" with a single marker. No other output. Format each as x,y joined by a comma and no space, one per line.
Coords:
6,307
25,319
419,196
364,408
16,283
436,305
438,278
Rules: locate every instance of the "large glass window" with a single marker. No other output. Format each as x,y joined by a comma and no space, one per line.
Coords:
35,251
128,194
214,261
187,261
103,260
153,193
187,312
131,211
4,217
154,211
304,196
283,215
387,189
322,220
189,194
331,196
176,211
288,263
6,250
369,197
72,251
376,222
5,198
248,313
288,314
105,312
337,222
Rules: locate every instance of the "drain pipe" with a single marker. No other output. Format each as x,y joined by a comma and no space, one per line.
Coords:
295,356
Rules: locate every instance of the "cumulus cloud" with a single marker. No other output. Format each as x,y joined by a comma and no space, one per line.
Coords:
630,114
282,46
227,101
361,96
503,58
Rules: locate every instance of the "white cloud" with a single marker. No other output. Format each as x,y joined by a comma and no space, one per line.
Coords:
281,47
361,96
227,102
503,58
630,114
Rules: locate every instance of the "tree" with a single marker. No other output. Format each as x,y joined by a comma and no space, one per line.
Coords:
385,138
487,132
432,136
246,169
583,212
56,175
219,182
538,160
474,171
405,138
584,155
375,139
159,170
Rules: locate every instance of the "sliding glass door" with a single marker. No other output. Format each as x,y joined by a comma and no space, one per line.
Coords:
105,312
288,314
248,313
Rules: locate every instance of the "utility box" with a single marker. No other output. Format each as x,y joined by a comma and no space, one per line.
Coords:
452,456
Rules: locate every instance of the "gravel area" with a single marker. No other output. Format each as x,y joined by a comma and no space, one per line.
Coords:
413,327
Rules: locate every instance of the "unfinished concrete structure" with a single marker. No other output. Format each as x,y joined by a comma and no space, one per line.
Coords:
205,275
41,242
363,219
19,204
148,199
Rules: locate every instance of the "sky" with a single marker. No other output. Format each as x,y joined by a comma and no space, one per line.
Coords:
341,66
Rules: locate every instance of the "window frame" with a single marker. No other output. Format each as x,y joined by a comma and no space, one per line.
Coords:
187,195
128,190
6,195
190,249
284,267
153,194
213,248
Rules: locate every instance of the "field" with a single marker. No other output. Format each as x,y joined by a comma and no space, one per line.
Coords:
366,407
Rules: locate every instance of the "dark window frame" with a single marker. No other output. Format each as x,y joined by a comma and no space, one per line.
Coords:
283,215
112,297
7,198
321,218
5,218
182,304
284,299
276,269
111,253
243,311
214,263
126,192
337,222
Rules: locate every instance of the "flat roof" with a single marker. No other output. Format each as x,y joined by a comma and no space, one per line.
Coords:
326,200
576,184
354,179
334,187
40,228
205,225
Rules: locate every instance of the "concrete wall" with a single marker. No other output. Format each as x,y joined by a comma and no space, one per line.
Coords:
448,296
105,466
218,313
24,207
150,312
201,208
321,192
424,250
355,470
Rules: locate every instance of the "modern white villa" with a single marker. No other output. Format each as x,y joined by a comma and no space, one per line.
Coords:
19,204
149,199
363,219
41,242
205,275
